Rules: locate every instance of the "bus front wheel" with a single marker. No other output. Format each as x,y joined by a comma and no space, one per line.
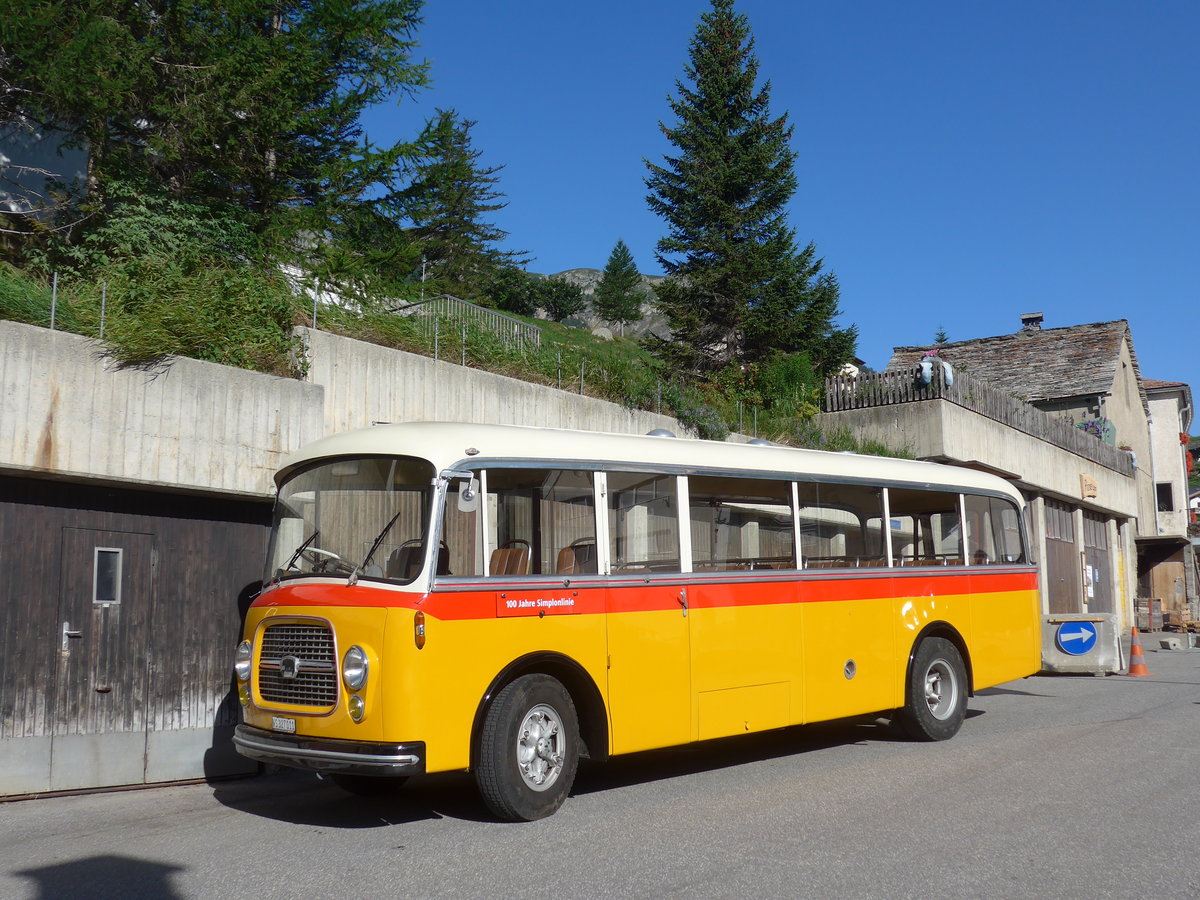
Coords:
936,693
528,749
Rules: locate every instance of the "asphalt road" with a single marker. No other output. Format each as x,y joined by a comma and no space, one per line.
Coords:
1074,787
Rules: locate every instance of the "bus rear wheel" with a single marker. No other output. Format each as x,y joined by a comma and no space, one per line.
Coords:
936,694
528,749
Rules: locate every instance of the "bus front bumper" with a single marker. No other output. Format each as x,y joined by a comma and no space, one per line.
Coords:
326,755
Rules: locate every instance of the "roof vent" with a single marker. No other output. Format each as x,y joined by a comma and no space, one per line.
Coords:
761,442
1031,321
660,432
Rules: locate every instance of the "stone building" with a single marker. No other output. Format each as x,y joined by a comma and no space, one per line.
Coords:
1166,558
1065,414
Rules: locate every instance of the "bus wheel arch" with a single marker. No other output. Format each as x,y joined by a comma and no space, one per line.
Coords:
589,704
937,683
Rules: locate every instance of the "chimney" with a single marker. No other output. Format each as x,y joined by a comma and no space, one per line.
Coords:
1031,321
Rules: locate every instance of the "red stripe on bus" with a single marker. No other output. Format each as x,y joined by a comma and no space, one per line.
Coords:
544,599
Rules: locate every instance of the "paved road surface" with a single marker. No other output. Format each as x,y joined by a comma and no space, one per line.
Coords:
1072,787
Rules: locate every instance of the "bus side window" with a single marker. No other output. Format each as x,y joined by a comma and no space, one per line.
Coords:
740,523
462,538
840,525
925,527
540,521
643,517
993,531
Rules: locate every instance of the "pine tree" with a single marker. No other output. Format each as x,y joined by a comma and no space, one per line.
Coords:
447,201
737,288
618,298
233,104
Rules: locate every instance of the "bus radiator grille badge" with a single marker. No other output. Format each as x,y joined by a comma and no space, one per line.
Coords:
289,668
849,669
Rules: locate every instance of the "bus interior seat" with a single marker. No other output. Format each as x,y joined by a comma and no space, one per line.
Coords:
909,562
579,558
823,563
509,561
405,562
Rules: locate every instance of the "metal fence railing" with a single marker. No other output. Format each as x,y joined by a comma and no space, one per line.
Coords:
445,313
874,389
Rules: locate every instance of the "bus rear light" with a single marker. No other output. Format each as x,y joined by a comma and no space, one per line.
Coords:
419,629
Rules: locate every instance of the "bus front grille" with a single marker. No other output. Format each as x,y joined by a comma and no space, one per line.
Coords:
298,664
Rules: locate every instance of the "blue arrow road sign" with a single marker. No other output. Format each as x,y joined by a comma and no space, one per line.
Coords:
1076,638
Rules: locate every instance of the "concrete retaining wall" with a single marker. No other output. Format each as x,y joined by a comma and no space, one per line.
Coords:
66,409
365,383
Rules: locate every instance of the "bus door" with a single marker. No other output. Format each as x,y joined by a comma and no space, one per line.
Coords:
744,618
649,643
847,605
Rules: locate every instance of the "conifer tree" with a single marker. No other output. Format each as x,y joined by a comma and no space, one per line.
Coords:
447,201
617,296
237,104
737,287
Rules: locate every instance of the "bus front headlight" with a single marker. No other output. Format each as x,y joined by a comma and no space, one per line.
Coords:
354,668
242,661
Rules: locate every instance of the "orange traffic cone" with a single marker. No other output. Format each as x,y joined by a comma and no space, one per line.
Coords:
1137,662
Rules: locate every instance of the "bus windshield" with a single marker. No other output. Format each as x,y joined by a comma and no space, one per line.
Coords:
366,516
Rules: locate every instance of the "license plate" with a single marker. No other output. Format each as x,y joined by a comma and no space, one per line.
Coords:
280,723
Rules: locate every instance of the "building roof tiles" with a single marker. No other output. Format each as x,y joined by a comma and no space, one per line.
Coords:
1038,364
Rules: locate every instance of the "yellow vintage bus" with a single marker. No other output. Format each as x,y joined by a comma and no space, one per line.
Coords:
506,600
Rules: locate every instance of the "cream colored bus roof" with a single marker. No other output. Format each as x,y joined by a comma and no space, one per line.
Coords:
446,444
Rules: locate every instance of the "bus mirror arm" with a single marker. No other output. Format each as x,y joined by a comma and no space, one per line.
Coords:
468,495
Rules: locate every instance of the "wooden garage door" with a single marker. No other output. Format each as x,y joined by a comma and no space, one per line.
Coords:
1064,582
1098,578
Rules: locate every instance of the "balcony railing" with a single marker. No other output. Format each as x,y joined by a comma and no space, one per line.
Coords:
874,389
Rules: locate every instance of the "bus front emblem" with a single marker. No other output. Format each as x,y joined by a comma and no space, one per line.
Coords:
289,667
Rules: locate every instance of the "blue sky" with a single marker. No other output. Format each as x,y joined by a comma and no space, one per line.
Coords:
959,163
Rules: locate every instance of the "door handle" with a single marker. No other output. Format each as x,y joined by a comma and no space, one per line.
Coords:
67,635
683,601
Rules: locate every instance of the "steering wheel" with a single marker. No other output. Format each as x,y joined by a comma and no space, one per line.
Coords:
326,561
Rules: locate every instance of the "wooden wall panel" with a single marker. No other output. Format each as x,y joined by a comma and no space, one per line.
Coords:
206,561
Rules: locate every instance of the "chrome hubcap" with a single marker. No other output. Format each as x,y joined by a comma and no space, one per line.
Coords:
941,689
541,747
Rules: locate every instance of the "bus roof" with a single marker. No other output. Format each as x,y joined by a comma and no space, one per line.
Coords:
456,445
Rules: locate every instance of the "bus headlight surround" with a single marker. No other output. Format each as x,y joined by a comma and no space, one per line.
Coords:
243,661
354,668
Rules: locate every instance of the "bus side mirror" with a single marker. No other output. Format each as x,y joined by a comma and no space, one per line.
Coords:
468,495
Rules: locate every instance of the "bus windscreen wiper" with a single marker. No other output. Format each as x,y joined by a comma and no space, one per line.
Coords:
375,546
304,546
